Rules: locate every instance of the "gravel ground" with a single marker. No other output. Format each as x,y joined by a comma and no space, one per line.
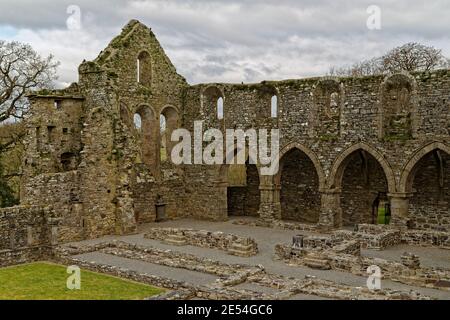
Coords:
188,276
266,239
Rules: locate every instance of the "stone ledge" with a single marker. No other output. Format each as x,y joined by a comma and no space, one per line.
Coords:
233,244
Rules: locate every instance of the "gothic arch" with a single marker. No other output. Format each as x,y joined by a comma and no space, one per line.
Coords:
338,168
300,180
311,155
408,172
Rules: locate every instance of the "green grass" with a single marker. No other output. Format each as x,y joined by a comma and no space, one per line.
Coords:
382,219
46,281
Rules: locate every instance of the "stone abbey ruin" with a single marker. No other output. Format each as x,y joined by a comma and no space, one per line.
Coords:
348,148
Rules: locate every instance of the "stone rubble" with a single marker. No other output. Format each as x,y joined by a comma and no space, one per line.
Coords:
229,277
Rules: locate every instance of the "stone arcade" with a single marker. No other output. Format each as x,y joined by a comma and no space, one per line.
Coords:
347,145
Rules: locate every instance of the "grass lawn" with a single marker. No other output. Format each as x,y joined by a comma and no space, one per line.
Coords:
382,218
46,281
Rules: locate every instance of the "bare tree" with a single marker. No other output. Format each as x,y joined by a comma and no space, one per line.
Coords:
409,57
21,70
413,57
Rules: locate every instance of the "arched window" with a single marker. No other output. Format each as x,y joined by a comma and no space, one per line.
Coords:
137,121
144,69
168,122
220,108
213,104
325,118
274,106
163,135
146,124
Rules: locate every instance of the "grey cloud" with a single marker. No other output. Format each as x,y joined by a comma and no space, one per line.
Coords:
231,40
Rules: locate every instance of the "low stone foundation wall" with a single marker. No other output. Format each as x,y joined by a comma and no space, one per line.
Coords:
279,224
345,257
23,255
26,233
230,276
158,256
376,237
233,244
426,238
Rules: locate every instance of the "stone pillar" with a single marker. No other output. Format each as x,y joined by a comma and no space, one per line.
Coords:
30,237
222,201
331,211
269,206
399,209
125,220
52,225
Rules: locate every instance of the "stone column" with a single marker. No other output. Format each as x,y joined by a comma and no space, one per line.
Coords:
52,225
331,211
399,209
270,206
222,201
30,237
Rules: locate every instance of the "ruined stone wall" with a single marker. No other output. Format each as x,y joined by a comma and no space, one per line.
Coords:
368,120
141,177
148,192
53,138
430,204
89,127
362,184
62,191
24,233
244,200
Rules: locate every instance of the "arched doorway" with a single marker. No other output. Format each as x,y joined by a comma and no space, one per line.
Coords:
364,188
299,187
428,179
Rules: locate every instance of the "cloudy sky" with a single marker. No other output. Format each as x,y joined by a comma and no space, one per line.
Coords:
230,40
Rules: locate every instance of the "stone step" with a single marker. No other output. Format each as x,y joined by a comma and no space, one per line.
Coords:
317,263
175,240
241,250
